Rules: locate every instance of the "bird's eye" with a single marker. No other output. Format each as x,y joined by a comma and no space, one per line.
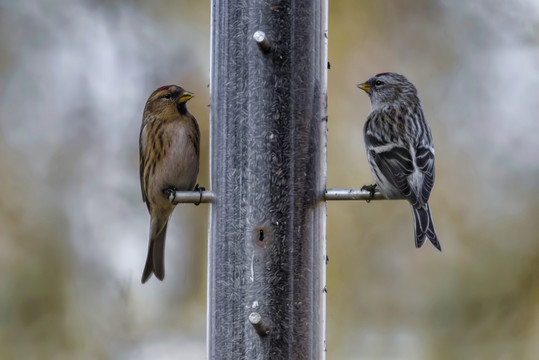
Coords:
167,96
378,83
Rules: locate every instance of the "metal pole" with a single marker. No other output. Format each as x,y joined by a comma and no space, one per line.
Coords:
266,261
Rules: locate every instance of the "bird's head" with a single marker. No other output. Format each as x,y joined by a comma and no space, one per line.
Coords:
389,89
167,100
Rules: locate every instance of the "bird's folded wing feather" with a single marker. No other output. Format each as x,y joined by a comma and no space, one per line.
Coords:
195,140
424,157
395,164
142,150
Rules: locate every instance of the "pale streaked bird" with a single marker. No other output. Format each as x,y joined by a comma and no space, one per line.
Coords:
169,161
400,148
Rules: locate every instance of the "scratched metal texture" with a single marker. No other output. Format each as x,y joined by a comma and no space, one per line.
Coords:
267,231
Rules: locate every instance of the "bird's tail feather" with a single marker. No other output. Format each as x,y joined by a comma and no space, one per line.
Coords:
155,261
424,227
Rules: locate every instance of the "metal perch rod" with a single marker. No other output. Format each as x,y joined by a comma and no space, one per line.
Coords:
330,194
352,194
193,197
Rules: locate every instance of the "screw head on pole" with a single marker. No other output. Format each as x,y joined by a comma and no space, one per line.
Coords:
262,41
256,320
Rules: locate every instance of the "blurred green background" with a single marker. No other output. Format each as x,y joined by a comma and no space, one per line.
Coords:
74,78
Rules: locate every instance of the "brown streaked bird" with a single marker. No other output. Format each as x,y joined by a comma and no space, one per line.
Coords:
169,147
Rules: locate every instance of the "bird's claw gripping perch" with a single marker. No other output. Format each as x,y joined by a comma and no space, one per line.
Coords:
371,189
200,189
170,193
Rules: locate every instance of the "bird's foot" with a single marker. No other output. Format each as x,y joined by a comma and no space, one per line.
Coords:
371,189
170,193
200,189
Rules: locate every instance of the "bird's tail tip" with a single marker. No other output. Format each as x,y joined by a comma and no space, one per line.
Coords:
436,243
150,269
424,228
155,261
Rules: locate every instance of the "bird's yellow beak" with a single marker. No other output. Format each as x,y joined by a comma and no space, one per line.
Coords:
186,96
365,87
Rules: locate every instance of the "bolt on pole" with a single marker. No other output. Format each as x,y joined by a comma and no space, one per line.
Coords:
266,260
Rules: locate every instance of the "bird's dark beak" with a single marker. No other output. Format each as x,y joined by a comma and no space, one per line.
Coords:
365,87
186,96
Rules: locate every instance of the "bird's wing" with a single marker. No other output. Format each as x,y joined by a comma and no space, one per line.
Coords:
195,140
396,165
424,158
143,179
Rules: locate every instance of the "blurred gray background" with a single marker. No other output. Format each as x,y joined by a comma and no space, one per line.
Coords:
74,77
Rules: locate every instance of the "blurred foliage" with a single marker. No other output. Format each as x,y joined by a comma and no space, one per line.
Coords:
73,228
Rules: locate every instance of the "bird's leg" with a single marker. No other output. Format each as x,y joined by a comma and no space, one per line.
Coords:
371,189
170,193
200,190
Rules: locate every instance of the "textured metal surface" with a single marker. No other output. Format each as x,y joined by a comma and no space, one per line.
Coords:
267,231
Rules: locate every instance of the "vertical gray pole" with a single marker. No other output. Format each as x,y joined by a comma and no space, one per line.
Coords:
266,262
